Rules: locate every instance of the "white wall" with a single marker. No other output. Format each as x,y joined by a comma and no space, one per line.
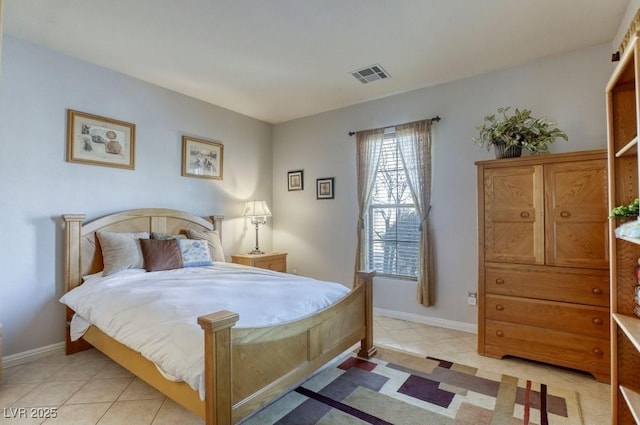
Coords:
37,184
1,8
320,234
632,9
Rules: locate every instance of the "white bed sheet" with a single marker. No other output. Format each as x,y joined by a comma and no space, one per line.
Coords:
156,313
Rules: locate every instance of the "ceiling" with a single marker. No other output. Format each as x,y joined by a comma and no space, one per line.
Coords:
277,60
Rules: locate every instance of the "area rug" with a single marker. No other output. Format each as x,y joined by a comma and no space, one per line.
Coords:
402,389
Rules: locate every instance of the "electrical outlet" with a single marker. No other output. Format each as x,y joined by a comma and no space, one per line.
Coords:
472,298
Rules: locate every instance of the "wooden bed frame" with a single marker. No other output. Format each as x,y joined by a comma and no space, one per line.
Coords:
244,368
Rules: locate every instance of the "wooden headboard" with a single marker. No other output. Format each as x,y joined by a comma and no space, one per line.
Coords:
82,249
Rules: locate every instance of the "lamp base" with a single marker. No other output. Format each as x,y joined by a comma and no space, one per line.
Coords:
256,250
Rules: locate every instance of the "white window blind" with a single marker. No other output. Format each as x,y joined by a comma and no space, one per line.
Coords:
392,223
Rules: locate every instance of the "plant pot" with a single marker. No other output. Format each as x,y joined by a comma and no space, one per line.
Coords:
502,151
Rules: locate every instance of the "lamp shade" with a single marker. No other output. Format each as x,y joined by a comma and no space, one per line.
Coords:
256,209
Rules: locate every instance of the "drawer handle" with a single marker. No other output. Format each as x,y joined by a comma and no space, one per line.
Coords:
499,307
270,265
565,214
500,334
499,281
596,291
524,214
597,352
597,321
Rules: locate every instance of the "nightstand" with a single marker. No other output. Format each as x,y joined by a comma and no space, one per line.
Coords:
276,261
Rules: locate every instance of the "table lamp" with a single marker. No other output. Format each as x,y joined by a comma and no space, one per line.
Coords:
257,211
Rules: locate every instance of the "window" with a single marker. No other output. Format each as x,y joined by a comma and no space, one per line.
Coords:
394,201
391,221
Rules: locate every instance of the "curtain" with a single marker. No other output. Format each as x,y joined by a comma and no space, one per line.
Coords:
368,146
414,142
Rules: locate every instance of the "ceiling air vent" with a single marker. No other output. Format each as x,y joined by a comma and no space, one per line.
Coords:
370,73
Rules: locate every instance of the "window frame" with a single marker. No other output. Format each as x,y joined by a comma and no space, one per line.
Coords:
369,233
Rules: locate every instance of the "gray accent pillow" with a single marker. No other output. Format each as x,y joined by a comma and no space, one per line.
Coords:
121,251
165,236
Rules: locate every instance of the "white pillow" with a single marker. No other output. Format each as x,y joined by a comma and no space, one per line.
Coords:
213,240
91,277
121,251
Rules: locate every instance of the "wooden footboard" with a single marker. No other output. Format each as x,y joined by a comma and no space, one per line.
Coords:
247,368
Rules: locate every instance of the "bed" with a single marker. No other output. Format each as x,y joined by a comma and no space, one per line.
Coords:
244,368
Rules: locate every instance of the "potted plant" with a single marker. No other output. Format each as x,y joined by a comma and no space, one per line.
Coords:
626,211
510,133
628,215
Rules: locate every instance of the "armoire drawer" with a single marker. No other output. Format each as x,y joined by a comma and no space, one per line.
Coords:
551,346
566,317
589,287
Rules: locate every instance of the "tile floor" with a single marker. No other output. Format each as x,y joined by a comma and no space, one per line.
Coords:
460,347
89,389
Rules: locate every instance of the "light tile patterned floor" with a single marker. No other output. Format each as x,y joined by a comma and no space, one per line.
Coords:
89,389
461,347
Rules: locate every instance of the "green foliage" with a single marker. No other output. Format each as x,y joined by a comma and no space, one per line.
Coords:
631,210
519,129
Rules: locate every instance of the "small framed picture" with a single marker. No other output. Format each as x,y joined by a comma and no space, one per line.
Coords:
201,158
324,188
295,180
96,140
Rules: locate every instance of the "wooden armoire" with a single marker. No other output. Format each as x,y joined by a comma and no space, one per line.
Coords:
543,279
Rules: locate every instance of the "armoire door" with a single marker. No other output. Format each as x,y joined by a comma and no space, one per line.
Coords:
576,214
514,214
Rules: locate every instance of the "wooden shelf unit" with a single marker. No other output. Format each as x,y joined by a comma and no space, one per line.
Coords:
630,149
623,105
632,240
632,399
630,326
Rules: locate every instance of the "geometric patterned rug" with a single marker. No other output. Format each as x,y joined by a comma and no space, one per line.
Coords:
404,389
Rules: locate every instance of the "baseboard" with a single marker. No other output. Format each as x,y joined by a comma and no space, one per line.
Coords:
36,353
426,320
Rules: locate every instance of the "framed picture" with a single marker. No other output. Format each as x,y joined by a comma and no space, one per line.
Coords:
96,140
201,158
324,188
296,180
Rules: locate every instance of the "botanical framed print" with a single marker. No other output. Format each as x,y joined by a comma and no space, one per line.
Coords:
324,188
295,180
201,158
96,140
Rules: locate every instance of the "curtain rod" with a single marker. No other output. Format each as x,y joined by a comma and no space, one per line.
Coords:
436,119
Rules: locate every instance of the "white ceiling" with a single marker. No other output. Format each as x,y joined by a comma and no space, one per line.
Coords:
278,60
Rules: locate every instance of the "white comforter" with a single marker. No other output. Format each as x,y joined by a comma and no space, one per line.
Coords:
156,313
